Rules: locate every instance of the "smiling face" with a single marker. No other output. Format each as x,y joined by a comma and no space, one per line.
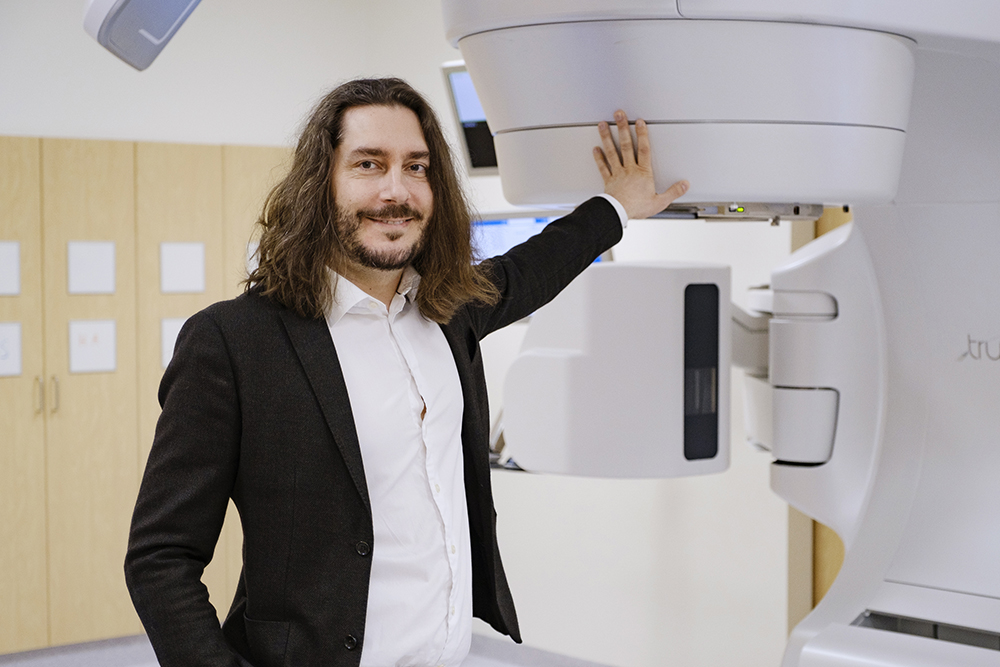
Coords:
383,198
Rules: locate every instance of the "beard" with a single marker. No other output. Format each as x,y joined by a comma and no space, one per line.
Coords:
348,226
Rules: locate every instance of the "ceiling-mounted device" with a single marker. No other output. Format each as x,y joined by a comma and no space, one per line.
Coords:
136,30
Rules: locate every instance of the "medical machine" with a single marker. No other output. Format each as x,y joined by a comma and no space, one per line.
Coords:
876,348
882,364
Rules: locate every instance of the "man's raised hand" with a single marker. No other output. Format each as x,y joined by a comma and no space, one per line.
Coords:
628,173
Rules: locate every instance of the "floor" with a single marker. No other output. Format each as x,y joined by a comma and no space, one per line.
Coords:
124,652
136,652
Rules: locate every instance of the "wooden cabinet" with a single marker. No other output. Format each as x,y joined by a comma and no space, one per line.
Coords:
178,201
23,556
210,196
249,173
91,417
73,444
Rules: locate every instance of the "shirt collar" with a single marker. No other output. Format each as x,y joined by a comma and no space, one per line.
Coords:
408,283
347,295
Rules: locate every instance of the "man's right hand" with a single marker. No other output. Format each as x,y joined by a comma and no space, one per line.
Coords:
628,173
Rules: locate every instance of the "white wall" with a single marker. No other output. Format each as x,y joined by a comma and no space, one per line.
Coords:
237,72
635,574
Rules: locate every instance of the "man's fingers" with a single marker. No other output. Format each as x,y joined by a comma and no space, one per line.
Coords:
602,164
610,150
673,192
627,169
643,153
625,138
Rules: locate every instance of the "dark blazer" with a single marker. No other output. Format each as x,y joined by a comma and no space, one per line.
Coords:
255,409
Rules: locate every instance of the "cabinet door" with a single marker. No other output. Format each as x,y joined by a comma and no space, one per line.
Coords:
23,577
92,426
179,235
249,173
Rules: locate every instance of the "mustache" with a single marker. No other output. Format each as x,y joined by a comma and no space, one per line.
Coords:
391,211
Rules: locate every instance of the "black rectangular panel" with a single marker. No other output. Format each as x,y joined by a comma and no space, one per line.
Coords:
701,371
479,139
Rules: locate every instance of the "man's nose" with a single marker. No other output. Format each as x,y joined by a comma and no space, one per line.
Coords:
394,188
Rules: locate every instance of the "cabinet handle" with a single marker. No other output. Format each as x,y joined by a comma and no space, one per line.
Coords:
38,395
55,394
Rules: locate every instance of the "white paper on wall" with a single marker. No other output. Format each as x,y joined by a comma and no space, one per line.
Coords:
182,268
253,259
91,267
92,346
10,268
169,328
10,349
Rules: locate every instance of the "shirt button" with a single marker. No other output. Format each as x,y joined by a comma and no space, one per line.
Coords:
453,611
453,548
437,488
363,548
350,643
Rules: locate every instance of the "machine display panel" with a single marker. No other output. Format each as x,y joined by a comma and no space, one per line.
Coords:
473,131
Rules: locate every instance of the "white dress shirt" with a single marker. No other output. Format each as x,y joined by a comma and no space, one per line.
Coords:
407,402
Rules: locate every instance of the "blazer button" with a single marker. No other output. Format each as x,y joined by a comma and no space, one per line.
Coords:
350,643
363,548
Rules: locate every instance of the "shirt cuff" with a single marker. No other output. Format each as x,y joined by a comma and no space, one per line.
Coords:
622,215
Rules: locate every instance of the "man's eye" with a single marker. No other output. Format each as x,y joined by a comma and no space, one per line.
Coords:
367,164
418,168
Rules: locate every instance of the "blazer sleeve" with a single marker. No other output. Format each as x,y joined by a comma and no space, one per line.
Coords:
183,500
532,273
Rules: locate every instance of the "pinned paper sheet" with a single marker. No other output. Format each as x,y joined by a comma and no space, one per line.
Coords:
170,327
182,268
91,267
10,349
92,346
253,259
10,268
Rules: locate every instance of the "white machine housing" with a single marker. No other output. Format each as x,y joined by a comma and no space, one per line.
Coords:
588,396
744,125
826,374
890,106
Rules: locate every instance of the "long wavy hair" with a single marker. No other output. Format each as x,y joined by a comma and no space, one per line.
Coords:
298,235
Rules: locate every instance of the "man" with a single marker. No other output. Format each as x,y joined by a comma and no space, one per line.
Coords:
341,404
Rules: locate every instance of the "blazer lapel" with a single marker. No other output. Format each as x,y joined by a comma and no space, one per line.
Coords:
475,425
314,347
